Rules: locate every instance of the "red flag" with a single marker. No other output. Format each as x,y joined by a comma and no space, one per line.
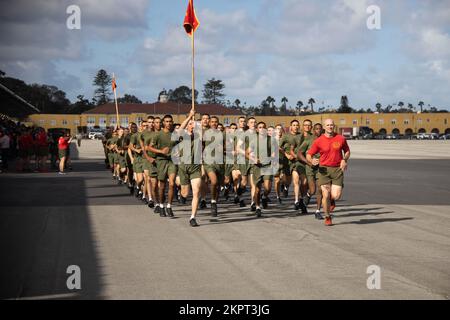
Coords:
191,22
113,84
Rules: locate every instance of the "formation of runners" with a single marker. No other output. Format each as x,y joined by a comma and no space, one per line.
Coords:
160,161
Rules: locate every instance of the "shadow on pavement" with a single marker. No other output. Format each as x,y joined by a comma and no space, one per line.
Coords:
370,221
44,229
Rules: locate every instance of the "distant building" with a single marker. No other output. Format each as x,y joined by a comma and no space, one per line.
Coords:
105,116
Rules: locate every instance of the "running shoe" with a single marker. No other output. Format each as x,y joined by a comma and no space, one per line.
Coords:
328,221
193,222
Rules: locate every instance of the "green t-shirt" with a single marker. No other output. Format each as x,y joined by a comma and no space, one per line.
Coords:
291,140
122,144
162,140
147,138
305,145
267,154
111,141
221,142
135,142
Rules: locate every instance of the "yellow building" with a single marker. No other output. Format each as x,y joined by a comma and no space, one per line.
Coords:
105,116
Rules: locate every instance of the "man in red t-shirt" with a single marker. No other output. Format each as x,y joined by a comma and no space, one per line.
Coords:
63,146
42,149
332,165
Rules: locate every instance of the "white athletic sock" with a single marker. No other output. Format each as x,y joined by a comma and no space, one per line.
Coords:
168,205
161,205
192,217
258,207
213,201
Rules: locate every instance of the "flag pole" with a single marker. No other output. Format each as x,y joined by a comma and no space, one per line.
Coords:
193,75
115,99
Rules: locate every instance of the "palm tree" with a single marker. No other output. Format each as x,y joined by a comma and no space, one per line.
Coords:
283,109
237,102
378,106
299,105
311,102
401,104
410,107
270,100
421,103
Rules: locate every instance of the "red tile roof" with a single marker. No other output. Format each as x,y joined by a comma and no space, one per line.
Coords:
162,108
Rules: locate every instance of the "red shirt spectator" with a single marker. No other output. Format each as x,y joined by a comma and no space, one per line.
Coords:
41,139
63,143
330,149
25,142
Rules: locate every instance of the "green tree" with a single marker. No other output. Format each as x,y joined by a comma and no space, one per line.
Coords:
127,98
344,108
182,94
299,106
81,105
378,106
237,103
311,102
213,91
410,107
103,83
421,104
283,108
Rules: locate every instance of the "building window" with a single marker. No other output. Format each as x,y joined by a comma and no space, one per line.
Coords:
428,120
419,121
139,120
124,122
64,122
380,121
226,121
342,121
406,121
41,122
53,122
91,121
112,121
393,121
367,121
355,122
76,122
102,122
445,121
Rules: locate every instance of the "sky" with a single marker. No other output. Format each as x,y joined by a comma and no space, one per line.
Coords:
293,48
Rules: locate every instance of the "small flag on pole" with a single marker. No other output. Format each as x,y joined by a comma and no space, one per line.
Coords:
113,84
191,22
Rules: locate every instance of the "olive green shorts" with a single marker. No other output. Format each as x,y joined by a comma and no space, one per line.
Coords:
312,173
111,158
165,168
122,161
62,153
138,164
187,172
297,166
245,169
150,167
283,168
228,170
258,177
333,175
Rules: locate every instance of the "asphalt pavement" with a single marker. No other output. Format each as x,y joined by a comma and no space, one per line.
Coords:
395,214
